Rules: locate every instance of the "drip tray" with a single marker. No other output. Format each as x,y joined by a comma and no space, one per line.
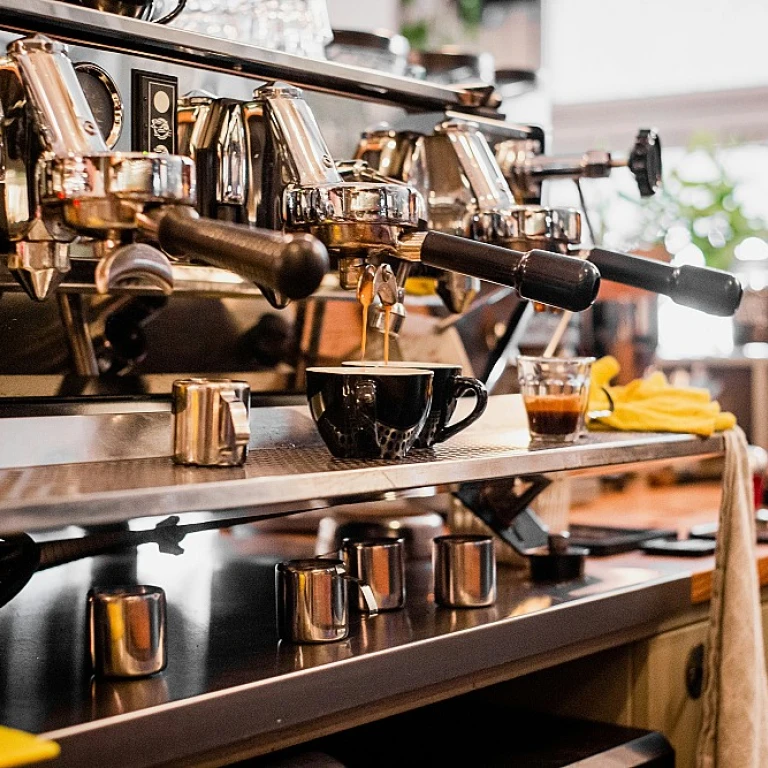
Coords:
602,541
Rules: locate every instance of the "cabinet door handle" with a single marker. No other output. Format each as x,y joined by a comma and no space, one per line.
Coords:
694,671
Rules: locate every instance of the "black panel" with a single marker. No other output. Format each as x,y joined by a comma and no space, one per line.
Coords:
153,114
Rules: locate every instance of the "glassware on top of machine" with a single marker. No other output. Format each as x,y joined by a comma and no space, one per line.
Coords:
454,66
382,51
299,27
136,9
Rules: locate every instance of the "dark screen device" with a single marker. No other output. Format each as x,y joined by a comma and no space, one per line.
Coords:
709,531
602,541
679,547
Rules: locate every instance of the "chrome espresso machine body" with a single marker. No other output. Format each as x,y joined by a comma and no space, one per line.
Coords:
257,170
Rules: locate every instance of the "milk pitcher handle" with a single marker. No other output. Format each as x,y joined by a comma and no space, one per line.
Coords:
371,606
235,427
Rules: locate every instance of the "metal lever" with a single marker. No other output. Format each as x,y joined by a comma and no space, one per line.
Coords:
292,265
63,114
385,285
709,290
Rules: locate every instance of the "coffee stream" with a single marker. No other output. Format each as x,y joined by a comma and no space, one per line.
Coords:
387,319
365,297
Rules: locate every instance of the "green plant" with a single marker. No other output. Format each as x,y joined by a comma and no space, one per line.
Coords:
420,28
703,203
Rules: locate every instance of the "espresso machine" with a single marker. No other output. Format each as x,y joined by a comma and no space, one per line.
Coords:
249,188
173,204
495,196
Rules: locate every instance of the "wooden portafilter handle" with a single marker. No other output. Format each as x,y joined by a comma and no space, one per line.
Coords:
293,265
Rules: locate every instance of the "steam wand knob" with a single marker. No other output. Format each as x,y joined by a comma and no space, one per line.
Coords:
645,162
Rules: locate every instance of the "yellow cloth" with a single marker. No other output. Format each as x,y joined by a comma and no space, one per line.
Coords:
420,286
653,404
21,748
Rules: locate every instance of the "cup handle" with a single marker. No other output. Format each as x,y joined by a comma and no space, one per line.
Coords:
371,606
594,415
235,427
172,14
461,385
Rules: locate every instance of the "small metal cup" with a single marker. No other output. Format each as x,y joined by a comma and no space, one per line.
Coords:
211,422
312,600
378,563
127,630
464,567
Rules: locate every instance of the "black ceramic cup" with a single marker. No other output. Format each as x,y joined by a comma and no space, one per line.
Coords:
369,412
448,386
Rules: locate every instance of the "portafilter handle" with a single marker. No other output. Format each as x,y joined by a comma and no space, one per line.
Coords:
550,278
713,291
292,265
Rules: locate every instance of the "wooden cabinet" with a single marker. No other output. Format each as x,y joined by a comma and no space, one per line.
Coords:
662,698
643,684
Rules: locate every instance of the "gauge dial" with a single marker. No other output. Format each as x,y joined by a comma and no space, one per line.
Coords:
103,98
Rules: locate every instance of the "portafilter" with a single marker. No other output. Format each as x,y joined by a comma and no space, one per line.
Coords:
86,191
456,171
709,290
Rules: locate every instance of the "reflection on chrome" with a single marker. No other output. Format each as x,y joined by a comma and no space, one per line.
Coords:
531,605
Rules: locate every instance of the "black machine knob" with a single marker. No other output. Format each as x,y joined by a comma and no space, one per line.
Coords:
645,161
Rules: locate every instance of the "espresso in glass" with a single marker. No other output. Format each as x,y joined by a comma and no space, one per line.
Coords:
553,415
555,392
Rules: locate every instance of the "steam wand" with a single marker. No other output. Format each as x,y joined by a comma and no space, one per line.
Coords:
21,556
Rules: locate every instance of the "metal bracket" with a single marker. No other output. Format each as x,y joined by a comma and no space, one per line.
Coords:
503,506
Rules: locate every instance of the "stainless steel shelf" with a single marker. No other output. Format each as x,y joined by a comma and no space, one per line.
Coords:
116,466
232,688
73,24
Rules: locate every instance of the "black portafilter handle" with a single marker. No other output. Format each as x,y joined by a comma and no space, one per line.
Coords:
713,291
291,264
549,278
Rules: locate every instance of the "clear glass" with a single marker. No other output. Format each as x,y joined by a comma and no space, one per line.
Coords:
300,27
555,391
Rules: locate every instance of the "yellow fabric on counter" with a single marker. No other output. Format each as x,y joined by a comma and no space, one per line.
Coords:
421,286
21,748
653,404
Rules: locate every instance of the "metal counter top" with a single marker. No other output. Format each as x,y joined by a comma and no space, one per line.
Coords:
231,686
102,468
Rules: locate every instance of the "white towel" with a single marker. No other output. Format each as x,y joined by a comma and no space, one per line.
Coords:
734,732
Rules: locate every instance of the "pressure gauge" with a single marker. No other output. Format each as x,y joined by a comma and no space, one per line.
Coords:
104,100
